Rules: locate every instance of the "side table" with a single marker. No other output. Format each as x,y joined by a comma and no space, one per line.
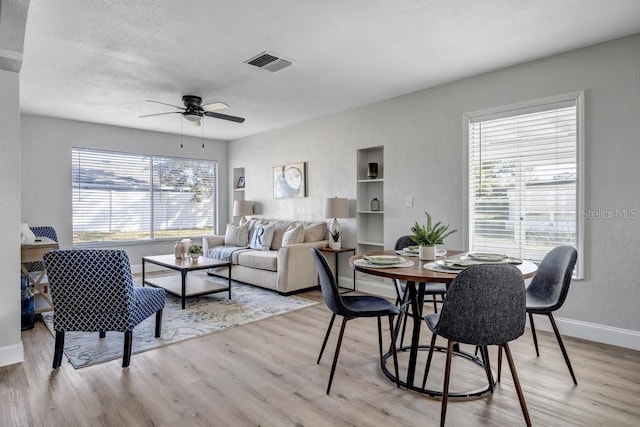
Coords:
337,252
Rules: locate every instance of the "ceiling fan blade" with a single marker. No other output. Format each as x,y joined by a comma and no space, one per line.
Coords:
164,103
224,117
161,114
213,106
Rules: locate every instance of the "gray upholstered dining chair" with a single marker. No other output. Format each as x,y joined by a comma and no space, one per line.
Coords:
548,290
435,291
92,290
485,305
352,307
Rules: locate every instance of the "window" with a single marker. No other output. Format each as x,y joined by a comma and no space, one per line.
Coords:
133,197
525,180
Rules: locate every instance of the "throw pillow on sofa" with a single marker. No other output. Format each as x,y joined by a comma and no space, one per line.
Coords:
262,236
293,235
315,232
237,235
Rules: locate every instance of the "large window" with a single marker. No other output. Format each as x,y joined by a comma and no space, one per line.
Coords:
525,178
133,197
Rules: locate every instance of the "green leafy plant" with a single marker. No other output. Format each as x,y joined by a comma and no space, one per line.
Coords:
430,234
195,249
335,235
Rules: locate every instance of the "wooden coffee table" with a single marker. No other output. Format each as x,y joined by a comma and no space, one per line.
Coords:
195,286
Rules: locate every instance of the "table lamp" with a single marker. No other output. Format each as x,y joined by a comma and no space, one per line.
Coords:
242,208
336,207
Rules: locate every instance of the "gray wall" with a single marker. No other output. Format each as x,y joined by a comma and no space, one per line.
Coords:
422,136
10,344
46,172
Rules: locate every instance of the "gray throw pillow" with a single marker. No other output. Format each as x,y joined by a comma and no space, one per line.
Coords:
237,235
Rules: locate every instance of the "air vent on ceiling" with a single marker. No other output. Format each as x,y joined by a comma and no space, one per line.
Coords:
268,61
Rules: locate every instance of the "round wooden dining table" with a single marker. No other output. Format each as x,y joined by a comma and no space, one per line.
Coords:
417,276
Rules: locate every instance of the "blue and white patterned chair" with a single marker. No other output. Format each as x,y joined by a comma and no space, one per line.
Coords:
92,290
40,231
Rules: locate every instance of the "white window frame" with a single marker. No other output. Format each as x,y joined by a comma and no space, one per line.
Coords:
578,98
153,231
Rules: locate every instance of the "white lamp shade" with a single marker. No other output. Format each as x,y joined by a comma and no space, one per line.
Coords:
242,207
336,207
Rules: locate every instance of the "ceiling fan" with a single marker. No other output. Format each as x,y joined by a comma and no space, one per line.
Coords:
193,110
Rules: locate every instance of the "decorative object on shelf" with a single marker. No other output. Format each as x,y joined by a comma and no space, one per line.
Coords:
375,204
428,236
290,181
336,207
334,242
372,170
242,208
195,251
240,182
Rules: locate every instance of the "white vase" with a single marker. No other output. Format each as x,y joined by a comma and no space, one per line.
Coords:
427,253
335,245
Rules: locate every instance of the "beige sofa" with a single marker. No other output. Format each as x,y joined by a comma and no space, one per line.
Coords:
287,268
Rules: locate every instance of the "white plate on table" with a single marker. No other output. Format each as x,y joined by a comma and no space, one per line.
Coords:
402,263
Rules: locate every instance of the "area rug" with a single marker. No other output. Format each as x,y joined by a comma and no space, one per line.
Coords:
202,316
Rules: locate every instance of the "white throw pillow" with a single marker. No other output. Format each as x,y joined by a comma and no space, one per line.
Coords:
293,235
315,232
262,236
237,235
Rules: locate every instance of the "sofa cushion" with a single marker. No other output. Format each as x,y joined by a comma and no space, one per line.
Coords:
281,228
262,260
262,236
315,232
237,235
293,235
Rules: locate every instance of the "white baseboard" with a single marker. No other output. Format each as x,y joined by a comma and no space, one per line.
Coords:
10,354
573,328
591,331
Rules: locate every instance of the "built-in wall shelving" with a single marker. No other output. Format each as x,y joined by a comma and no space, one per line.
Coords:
370,222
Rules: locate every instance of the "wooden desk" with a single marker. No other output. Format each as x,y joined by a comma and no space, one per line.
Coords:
34,252
416,277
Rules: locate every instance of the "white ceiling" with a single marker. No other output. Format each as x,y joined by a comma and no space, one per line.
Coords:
98,61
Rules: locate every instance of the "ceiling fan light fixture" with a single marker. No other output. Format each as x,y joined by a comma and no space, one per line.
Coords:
192,117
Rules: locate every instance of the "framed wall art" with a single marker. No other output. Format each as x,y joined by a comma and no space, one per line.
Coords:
290,181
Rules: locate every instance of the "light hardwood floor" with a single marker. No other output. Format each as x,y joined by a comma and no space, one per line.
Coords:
264,374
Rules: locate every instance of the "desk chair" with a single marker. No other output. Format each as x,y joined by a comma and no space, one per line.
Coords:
351,307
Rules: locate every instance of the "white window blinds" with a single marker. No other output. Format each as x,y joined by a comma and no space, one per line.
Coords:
132,197
523,179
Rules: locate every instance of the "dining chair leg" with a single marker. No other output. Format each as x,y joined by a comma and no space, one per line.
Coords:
335,356
516,382
128,340
533,334
158,323
445,387
404,328
428,365
564,350
380,337
499,362
103,334
326,338
59,347
393,350
484,351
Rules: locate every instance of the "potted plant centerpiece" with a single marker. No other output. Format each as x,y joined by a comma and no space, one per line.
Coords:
428,236
195,251
334,242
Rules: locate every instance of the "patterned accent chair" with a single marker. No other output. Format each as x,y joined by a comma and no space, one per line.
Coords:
41,231
92,290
